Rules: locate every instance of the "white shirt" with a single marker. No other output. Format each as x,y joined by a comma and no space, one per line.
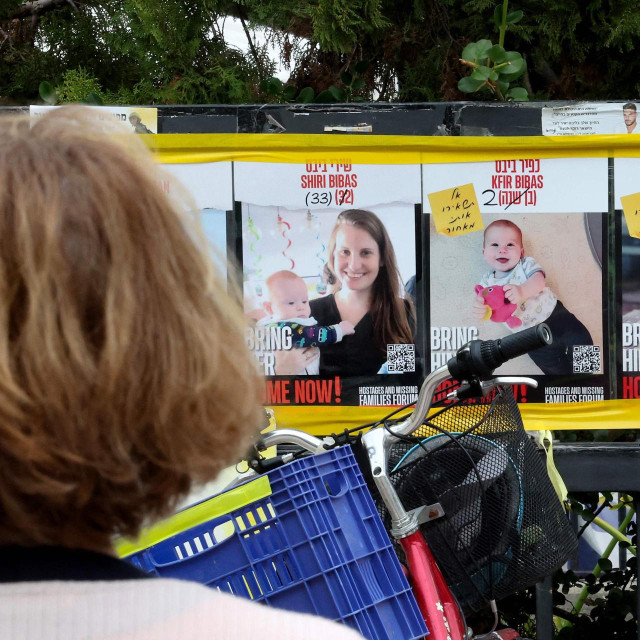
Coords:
154,609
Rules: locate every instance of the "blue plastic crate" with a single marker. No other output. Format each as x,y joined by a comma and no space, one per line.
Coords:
315,545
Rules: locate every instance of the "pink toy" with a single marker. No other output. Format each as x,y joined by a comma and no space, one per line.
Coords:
500,309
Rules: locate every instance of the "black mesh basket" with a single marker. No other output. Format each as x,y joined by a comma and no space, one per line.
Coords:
504,528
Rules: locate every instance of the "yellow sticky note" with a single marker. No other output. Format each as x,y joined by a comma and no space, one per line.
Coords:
631,208
455,211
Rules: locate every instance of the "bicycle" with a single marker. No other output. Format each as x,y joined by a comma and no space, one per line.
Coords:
474,362
441,483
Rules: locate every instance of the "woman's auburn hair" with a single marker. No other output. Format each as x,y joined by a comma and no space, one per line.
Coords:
392,314
124,377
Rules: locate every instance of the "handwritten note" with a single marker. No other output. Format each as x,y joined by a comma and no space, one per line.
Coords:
455,211
631,208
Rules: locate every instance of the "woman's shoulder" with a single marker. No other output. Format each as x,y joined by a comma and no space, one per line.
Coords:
174,608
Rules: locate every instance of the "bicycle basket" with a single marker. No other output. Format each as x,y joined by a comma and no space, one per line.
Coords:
504,528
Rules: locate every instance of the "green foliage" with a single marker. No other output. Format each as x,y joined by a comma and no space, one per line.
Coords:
353,82
492,67
611,594
172,51
275,91
340,24
77,85
133,51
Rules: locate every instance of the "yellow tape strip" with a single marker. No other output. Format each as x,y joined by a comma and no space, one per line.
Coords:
372,149
607,414
217,506
359,149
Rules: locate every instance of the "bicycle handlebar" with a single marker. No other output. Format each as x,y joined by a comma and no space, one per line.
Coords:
476,359
480,358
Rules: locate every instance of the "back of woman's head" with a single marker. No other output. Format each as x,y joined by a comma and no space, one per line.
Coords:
123,375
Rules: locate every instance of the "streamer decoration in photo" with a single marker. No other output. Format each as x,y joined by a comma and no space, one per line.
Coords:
257,256
321,287
284,227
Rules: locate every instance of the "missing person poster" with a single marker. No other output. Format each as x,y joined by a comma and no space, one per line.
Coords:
331,258
627,204
535,254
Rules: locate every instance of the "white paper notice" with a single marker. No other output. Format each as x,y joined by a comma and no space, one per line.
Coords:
590,118
559,185
210,183
313,186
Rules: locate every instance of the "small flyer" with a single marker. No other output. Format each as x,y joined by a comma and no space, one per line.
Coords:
588,118
139,119
526,264
331,262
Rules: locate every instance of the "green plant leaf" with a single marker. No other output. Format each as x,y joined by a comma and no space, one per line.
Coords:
274,86
264,86
503,86
576,507
514,16
469,85
325,96
519,94
605,564
346,78
338,94
493,76
497,54
361,67
483,48
470,52
289,93
357,84
497,15
481,73
516,67
306,95
47,92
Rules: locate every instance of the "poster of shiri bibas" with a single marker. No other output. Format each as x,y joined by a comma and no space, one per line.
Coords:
331,261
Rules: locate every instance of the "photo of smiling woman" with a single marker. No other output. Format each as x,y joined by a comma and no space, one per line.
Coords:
333,280
365,290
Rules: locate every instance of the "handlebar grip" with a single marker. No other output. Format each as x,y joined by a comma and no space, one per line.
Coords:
481,357
517,344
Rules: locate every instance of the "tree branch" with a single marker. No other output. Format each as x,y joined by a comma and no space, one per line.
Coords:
36,7
251,46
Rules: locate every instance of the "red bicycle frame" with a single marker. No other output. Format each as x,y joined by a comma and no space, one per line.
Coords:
435,600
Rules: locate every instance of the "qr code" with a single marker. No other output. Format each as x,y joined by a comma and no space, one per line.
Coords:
586,359
401,358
